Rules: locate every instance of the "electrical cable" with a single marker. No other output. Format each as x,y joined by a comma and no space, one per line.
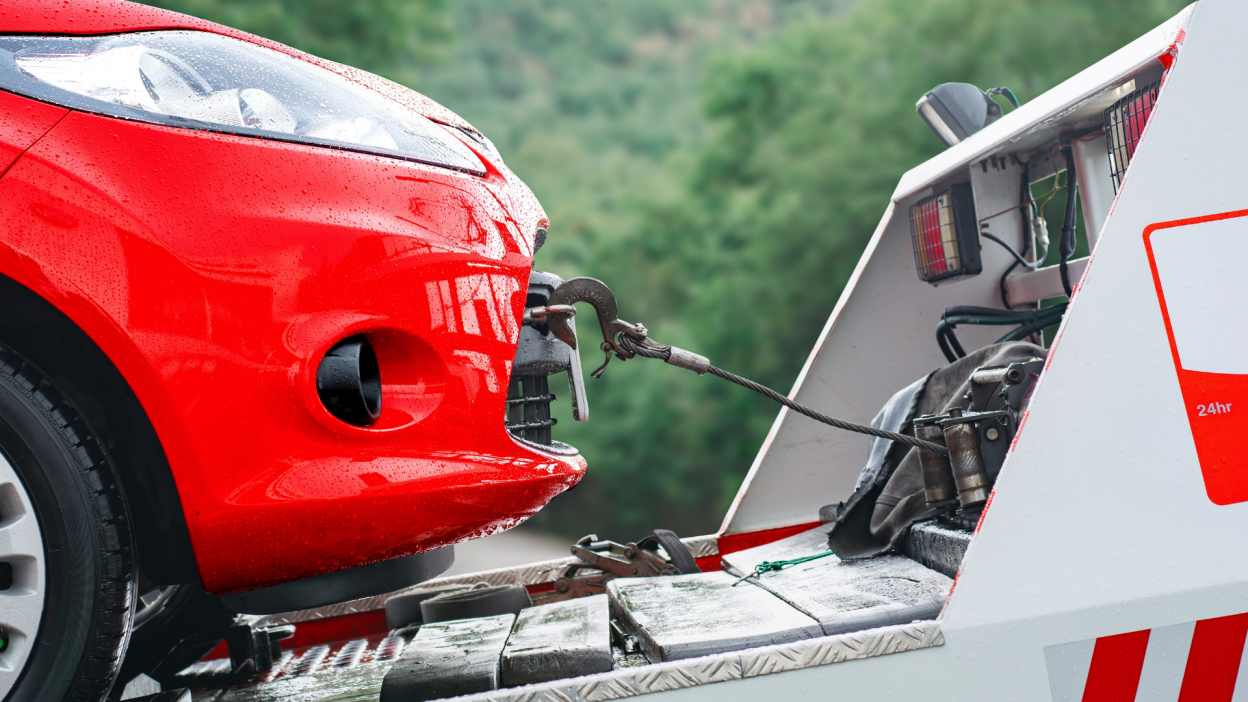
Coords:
1021,205
1058,184
1019,260
1027,205
649,349
1002,90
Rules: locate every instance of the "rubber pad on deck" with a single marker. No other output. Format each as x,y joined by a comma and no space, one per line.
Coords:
447,659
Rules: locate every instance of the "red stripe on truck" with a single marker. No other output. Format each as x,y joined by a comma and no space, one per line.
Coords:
1213,662
1116,665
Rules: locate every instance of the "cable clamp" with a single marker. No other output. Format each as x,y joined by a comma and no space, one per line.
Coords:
689,361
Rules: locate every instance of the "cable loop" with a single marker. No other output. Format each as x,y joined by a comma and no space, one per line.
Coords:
646,347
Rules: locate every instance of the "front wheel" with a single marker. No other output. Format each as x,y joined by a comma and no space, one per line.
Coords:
67,574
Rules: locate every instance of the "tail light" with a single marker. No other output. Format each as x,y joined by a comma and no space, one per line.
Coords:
945,235
1124,125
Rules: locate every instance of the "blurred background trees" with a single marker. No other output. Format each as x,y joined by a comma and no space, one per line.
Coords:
720,163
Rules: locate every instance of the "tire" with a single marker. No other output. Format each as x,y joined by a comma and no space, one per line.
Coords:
72,554
185,611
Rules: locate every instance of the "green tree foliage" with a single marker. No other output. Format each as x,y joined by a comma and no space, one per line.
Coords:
590,101
812,132
720,163
596,105
808,133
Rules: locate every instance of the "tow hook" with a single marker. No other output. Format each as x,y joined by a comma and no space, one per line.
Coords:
600,297
627,340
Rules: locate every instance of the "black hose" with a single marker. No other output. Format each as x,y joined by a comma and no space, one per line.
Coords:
1066,246
1028,329
953,316
1024,199
949,344
1030,316
650,349
974,311
1005,293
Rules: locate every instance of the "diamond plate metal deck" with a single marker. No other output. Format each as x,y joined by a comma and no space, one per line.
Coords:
845,596
723,667
688,616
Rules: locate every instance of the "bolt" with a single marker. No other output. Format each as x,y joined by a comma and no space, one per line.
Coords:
991,434
561,585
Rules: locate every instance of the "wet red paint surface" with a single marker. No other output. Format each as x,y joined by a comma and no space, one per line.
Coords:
216,270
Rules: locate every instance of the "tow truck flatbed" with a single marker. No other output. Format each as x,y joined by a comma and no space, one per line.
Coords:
1100,564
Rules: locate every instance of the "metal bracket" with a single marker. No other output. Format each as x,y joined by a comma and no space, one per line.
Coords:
607,561
252,649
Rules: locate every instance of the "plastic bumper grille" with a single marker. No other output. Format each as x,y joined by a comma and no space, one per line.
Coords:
528,409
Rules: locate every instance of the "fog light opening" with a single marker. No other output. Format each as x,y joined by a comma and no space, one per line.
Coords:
348,381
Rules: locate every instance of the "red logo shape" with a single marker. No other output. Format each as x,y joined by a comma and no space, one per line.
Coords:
1203,291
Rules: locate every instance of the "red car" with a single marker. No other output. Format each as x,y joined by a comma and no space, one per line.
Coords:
260,318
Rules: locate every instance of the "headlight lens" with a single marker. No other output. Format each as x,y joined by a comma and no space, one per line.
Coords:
206,81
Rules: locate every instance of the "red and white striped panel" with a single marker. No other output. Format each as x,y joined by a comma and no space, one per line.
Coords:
1196,661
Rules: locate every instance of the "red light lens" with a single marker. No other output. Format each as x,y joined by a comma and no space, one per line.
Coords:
943,232
1125,121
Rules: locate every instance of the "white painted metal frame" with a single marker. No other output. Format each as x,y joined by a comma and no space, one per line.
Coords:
886,312
1100,522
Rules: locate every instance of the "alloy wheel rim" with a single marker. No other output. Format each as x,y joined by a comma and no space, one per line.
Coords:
22,556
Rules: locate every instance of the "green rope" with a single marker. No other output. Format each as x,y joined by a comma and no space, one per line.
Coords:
768,566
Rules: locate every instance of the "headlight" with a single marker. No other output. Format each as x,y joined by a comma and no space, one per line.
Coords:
206,81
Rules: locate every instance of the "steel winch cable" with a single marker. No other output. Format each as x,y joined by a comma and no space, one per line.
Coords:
690,361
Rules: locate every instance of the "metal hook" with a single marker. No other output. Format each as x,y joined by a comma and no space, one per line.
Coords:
600,297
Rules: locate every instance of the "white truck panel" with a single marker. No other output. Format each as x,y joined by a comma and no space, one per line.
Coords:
1100,523
802,465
